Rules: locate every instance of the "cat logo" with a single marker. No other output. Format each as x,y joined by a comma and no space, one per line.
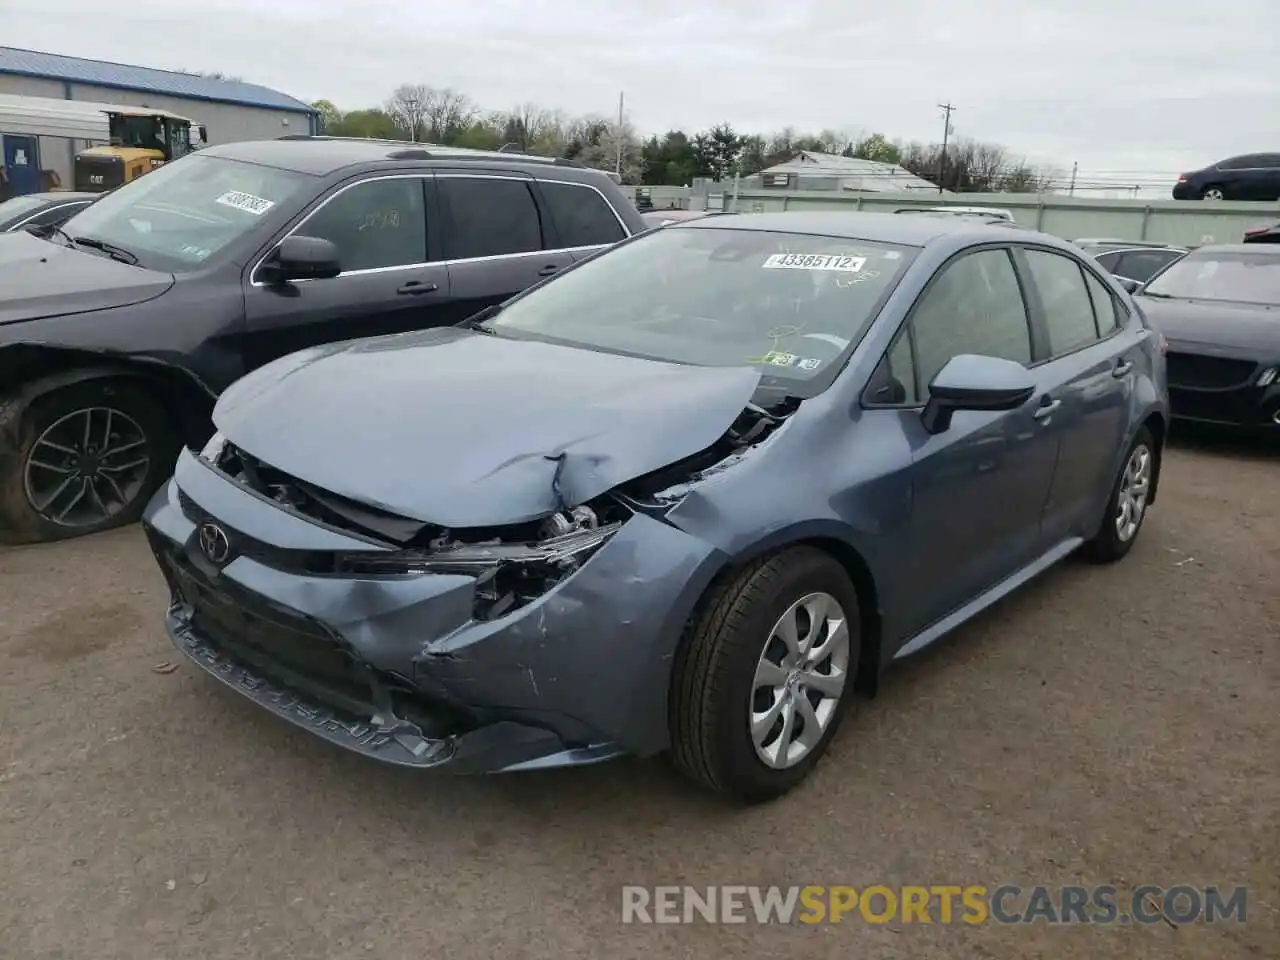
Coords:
96,179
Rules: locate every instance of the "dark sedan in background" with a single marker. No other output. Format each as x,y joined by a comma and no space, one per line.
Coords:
42,209
1219,309
1254,176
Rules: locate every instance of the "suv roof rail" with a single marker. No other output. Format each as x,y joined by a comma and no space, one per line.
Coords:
434,151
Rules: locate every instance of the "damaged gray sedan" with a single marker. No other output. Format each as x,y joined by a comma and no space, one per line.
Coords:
689,496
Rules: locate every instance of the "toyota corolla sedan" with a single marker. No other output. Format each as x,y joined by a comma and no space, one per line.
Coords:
691,496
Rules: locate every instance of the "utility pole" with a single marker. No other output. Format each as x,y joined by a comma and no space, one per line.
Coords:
1075,167
947,109
618,167
411,108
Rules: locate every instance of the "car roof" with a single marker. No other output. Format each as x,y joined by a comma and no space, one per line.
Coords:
881,227
1272,250
320,156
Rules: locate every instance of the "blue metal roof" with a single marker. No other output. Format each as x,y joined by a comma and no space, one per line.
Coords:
119,76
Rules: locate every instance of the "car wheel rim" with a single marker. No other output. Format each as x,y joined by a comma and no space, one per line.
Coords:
1135,484
87,467
799,680
1213,194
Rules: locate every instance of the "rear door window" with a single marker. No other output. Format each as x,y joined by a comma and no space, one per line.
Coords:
488,217
582,217
1068,311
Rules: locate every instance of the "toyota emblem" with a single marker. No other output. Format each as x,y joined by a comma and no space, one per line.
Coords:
214,543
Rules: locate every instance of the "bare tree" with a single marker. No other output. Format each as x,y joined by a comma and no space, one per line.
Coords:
410,105
447,113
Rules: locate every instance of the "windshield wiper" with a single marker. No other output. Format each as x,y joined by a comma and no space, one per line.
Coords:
478,320
110,249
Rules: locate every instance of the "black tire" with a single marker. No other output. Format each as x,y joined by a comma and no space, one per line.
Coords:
1107,546
711,693
1204,194
21,522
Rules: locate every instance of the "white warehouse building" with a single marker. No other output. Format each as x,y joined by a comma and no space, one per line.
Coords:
230,110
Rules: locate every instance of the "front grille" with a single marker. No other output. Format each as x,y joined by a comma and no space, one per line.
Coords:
282,643
1200,372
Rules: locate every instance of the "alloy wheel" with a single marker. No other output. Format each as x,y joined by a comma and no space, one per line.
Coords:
1213,193
1131,501
87,466
799,680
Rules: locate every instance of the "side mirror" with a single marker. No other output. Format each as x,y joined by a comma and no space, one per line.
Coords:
971,382
302,258
1130,286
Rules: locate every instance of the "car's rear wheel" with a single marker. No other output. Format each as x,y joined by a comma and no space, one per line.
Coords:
89,456
1212,193
1127,505
765,675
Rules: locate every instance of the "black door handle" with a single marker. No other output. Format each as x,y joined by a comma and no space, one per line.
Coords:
1121,368
415,288
548,270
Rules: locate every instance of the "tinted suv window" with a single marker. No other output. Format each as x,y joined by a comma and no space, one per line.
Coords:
1141,265
1068,311
1108,261
1104,304
379,223
975,306
488,217
582,216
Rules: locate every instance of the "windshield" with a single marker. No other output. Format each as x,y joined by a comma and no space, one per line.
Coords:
788,303
1221,275
182,213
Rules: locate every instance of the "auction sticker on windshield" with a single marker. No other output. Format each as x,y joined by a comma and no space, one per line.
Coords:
246,202
815,261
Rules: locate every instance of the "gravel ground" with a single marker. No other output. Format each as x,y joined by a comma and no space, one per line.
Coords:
1111,725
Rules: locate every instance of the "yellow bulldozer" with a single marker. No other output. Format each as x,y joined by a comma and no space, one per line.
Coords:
142,139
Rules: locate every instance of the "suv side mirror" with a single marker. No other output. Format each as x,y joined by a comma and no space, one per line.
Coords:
302,258
1130,286
972,382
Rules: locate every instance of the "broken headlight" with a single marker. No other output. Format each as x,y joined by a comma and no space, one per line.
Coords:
212,450
473,559
510,570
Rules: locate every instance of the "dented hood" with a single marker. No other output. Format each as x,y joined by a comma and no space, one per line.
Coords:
461,429
39,278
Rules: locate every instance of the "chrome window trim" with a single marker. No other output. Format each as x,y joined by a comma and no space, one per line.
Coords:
422,175
40,213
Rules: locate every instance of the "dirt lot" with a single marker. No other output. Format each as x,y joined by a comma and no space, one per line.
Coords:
1103,726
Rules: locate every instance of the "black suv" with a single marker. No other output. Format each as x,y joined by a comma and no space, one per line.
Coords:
1254,176
118,330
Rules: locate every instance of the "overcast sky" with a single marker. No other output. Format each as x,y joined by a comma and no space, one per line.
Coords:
1130,88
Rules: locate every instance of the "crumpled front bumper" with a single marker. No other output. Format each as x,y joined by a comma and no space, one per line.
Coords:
577,676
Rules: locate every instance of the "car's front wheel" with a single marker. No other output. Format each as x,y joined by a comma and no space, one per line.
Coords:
765,675
1127,505
88,458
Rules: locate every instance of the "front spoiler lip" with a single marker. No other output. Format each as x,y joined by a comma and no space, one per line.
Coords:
503,747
